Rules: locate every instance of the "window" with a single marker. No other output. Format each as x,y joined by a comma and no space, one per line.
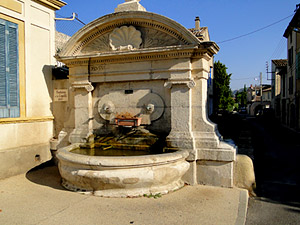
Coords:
9,70
283,85
298,65
290,56
291,86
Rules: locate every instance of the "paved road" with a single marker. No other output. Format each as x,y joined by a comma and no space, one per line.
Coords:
277,170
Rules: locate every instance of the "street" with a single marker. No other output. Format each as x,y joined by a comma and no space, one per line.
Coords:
275,151
276,164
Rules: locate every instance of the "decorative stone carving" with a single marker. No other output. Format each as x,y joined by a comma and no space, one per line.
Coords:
190,83
106,110
100,44
142,103
155,38
150,108
125,38
87,85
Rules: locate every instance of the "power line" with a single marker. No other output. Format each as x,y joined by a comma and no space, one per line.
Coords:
248,78
279,49
255,31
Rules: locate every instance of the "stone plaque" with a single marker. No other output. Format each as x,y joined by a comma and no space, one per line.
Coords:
60,95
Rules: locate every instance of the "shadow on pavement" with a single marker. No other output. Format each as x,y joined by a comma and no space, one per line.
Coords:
46,174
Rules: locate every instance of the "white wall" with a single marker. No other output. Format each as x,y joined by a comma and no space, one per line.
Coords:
31,132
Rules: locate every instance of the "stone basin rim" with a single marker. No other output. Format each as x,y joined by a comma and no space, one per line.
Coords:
64,154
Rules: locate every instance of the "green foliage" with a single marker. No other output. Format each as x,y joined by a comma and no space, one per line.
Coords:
222,93
241,97
158,195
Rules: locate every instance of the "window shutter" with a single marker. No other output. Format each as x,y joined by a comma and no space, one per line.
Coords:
298,65
9,74
3,86
13,79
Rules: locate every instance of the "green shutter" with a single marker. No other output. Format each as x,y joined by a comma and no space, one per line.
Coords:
9,74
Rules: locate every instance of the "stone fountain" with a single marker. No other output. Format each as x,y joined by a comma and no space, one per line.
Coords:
141,70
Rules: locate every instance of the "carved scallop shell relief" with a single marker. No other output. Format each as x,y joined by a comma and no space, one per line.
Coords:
125,38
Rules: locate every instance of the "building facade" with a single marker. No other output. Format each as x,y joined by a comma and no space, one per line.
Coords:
279,89
257,101
27,47
293,72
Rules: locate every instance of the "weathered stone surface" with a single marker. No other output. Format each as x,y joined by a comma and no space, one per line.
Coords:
243,173
122,176
215,173
130,5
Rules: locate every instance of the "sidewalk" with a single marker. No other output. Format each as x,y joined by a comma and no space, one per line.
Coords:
38,198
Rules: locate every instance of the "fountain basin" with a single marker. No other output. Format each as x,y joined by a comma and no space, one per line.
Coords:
122,176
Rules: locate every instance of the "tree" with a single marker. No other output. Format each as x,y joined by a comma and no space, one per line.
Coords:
241,97
222,92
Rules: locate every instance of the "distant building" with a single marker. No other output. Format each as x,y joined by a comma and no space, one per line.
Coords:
279,88
292,100
257,102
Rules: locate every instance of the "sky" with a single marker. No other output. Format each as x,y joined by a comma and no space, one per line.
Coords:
261,23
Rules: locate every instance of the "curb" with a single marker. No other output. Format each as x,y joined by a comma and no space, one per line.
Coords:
243,206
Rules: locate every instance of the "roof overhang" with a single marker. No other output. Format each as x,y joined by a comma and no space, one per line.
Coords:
52,4
295,23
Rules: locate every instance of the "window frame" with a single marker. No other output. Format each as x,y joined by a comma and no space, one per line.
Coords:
21,69
10,98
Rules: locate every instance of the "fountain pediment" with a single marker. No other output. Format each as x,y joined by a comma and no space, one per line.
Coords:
128,31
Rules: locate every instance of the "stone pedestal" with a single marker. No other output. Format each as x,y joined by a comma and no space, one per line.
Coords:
130,5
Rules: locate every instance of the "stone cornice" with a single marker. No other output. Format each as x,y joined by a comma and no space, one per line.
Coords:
211,46
52,4
140,55
131,56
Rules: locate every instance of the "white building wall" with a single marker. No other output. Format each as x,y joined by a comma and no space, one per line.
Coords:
24,141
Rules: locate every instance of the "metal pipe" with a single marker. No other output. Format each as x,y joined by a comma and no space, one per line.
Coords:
69,19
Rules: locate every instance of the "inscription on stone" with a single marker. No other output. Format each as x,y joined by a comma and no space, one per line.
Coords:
60,95
97,68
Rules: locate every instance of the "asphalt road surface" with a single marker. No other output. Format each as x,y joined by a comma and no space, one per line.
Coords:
277,171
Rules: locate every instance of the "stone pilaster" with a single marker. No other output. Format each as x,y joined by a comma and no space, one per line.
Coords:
181,117
83,111
214,164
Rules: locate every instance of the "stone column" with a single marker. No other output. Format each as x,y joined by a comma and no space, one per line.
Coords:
83,112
